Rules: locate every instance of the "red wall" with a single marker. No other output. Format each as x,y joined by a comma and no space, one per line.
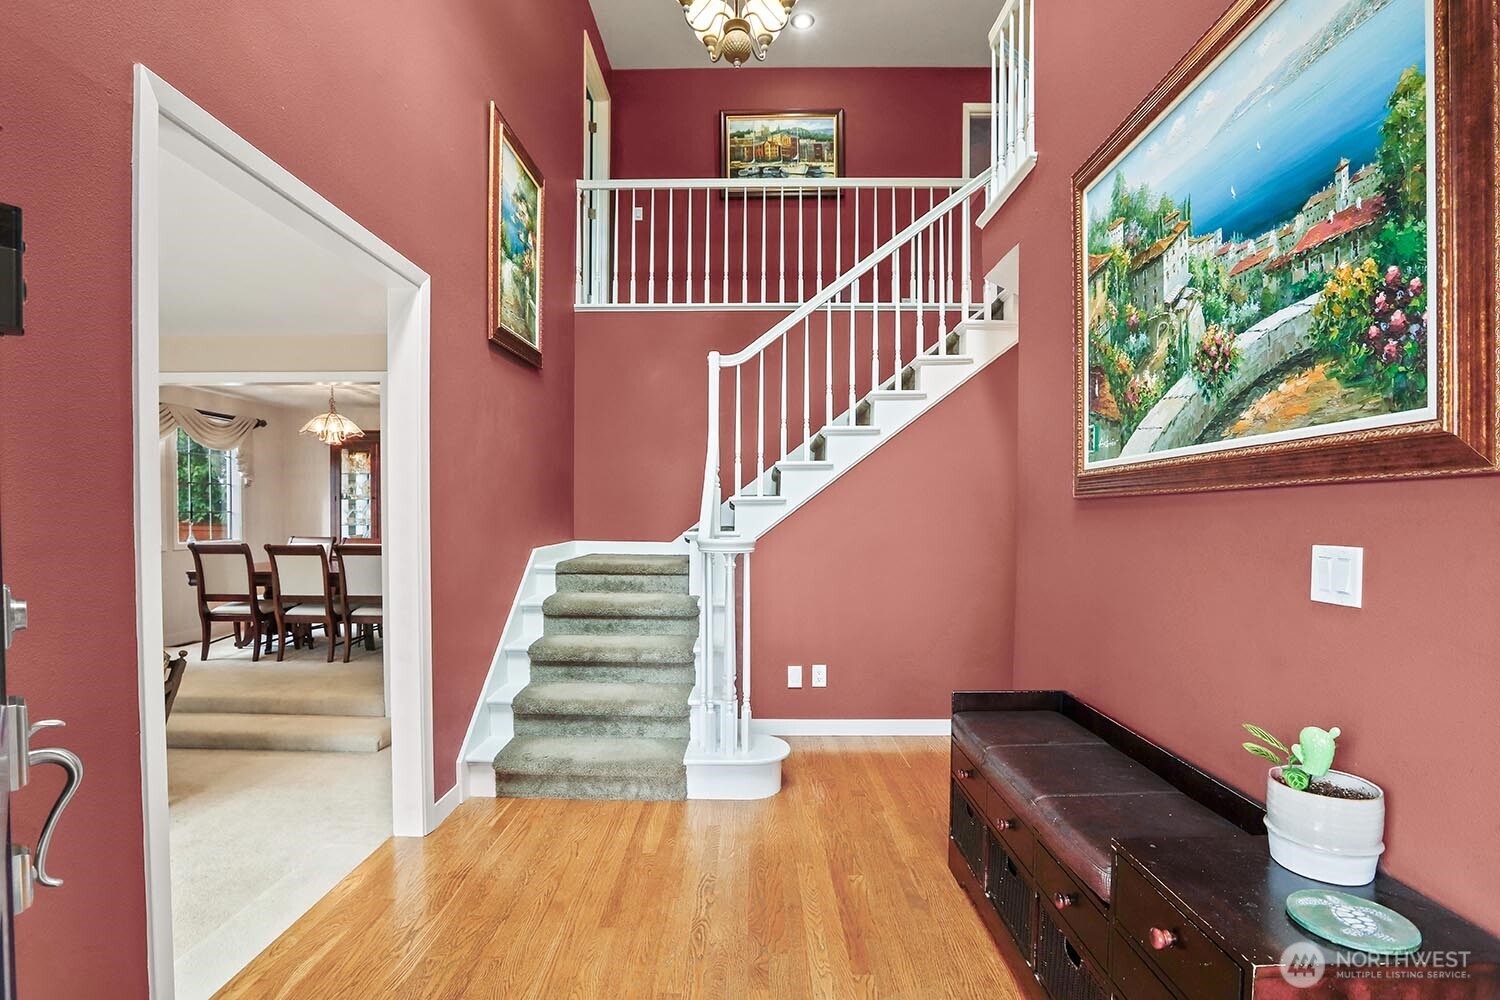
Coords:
1186,615
382,109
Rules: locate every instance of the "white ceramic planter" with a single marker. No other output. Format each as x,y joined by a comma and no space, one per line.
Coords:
1331,840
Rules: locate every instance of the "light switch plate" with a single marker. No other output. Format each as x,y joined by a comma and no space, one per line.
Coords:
640,213
794,676
1338,573
820,675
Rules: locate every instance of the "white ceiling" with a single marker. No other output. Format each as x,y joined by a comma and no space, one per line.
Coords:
230,267
651,34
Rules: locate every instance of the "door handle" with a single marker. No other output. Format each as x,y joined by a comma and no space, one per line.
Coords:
73,767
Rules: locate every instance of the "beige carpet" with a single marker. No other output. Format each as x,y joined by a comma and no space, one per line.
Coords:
303,703
257,838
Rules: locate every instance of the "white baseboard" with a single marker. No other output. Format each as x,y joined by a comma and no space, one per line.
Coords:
852,727
443,807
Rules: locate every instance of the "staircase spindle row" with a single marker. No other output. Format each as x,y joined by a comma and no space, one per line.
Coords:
706,244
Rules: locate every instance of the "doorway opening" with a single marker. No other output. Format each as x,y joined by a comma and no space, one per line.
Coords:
254,299
596,131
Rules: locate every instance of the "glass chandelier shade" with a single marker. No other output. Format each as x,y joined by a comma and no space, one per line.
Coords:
735,30
332,428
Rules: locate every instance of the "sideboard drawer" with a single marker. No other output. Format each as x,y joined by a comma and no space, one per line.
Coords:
1066,898
1133,979
966,773
1179,951
1020,843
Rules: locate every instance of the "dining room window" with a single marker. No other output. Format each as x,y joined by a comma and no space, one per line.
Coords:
208,493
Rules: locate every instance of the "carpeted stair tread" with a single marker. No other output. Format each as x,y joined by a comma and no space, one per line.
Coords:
596,699
268,731
587,604
610,564
614,649
592,757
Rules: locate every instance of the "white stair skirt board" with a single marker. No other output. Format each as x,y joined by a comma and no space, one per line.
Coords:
851,727
763,504
755,774
492,725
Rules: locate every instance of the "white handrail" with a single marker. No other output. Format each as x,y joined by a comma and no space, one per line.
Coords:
864,267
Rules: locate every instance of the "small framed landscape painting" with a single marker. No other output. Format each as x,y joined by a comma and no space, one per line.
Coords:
515,260
801,144
1269,288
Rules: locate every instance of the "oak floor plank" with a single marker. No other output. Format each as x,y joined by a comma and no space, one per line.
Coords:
837,888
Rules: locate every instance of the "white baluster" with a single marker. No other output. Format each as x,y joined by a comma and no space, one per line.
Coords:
875,292
580,222
687,278
614,258
739,415
764,197
895,298
968,264
651,252
760,430
916,279
724,291
1029,125
781,241
838,235
745,660
806,390
745,250
801,291
785,347
994,115
851,354
827,370
671,217
632,246
708,244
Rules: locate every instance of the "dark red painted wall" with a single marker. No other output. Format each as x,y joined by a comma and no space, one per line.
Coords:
1186,615
381,108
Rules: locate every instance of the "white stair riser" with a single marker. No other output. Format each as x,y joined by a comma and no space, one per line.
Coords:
890,413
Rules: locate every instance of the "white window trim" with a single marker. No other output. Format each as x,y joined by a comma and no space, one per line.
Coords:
236,497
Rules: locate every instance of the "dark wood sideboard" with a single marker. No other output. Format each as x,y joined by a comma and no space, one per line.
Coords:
1106,866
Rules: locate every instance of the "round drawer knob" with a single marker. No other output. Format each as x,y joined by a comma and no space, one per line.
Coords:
965,773
1063,900
1005,824
1162,939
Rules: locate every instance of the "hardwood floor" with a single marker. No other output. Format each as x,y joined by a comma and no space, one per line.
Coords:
837,888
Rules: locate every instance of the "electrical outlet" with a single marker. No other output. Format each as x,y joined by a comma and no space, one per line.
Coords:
820,675
793,676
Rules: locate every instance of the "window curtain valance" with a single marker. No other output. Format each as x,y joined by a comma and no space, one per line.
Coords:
212,432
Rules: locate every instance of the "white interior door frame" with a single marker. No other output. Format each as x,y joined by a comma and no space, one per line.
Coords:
597,168
405,463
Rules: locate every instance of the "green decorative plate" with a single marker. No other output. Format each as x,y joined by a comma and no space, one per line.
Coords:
1353,922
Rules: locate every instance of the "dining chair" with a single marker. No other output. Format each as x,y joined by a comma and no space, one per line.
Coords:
300,593
324,540
227,591
361,586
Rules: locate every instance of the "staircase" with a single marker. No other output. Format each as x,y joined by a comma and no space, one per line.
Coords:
605,715
639,686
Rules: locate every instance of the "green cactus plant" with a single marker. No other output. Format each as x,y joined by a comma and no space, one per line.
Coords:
1310,757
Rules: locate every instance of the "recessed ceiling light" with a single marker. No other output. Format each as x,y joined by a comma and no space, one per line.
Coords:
803,21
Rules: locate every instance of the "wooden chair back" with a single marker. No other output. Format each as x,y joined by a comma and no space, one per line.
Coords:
324,540
299,575
361,576
226,571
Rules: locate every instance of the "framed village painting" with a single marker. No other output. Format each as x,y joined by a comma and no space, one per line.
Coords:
801,144
515,258
1286,255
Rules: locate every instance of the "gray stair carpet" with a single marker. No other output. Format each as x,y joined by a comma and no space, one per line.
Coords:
606,713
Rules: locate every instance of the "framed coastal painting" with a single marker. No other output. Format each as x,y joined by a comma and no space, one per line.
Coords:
802,144
515,258
1285,257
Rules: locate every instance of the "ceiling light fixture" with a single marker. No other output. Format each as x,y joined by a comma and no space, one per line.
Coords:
735,30
332,428
803,21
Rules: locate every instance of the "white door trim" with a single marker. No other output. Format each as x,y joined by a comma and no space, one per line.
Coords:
405,461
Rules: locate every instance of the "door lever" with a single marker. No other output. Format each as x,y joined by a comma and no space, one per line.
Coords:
73,767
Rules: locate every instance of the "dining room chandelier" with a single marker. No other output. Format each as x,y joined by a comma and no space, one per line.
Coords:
332,428
735,30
